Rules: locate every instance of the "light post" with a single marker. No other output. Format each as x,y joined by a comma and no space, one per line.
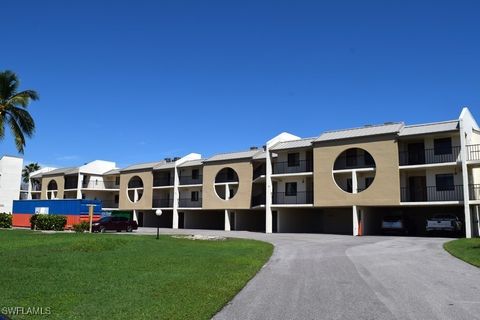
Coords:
158,213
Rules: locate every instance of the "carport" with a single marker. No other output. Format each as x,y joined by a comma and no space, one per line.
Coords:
249,220
148,218
203,219
416,216
314,220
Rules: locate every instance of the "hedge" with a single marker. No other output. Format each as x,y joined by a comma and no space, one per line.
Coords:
81,227
48,222
5,220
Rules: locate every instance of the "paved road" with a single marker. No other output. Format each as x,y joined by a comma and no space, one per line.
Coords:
316,276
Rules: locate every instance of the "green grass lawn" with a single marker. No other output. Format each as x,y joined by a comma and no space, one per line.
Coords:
466,249
107,276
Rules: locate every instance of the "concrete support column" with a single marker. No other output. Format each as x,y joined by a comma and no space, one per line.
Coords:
176,196
79,186
354,182
227,220
268,192
477,220
355,221
466,193
134,216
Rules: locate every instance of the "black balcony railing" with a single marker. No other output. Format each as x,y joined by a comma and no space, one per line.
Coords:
304,197
297,167
189,203
428,156
162,182
187,180
109,204
473,152
474,191
258,200
162,203
100,185
431,193
71,185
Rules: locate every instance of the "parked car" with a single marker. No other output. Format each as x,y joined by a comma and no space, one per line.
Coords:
444,222
394,224
114,223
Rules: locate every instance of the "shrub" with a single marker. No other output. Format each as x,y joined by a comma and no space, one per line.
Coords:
5,220
81,227
48,222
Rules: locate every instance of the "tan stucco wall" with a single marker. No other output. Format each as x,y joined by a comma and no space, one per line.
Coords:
242,198
60,180
385,189
146,201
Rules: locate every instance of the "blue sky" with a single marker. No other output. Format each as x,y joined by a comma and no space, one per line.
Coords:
136,81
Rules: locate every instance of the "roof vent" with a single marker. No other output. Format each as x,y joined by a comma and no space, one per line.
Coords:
264,147
368,125
176,158
253,148
388,122
168,159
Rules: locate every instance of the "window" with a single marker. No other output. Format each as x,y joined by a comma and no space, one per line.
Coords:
352,157
349,185
368,182
444,182
293,159
230,174
291,189
442,146
368,159
195,174
194,196
117,181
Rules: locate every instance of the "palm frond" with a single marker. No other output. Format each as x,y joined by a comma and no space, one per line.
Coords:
23,119
23,98
17,134
8,84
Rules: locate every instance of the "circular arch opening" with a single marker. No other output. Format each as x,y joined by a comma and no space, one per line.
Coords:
135,189
226,183
52,185
354,170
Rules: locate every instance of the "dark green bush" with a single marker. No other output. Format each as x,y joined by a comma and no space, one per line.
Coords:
5,220
48,222
81,227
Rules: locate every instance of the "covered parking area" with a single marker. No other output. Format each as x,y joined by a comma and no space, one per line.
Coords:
148,218
313,220
202,219
415,218
248,220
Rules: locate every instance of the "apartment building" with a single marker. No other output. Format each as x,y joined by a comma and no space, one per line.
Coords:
10,180
342,181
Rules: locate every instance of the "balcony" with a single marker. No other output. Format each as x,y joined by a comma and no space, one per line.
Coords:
162,203
100,185
69,185
259,200
189,180
430,156
474,191
432,193
109,204
162,182
260,171
304,197
473,152
189,203
285,167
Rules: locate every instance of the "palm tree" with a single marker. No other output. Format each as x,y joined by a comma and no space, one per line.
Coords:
28,169
13,109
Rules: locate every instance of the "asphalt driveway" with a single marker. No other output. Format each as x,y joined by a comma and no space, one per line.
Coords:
317,276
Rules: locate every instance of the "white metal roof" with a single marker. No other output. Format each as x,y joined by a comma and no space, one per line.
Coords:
361,132
426,128
234,155
165,165
60,171
191,163
300,143
111,172
141,166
